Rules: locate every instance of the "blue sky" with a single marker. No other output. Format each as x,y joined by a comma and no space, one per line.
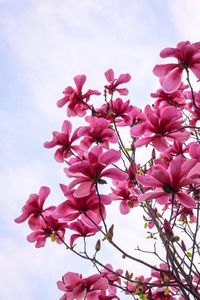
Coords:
44,44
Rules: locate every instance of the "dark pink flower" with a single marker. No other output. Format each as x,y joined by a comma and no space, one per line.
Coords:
169,182
82,230
114,83
33,208
76,287
176,98
86,207
128,196
76,99
97,132
65,142
188,56
49,228
161,124
90,171
116,110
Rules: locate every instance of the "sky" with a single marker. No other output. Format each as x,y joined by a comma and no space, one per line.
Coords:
43,45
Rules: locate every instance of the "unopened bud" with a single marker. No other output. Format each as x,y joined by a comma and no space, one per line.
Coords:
98,245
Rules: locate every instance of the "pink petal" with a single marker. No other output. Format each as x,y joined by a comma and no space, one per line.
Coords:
79,81
150,196
110,156
163,70
43,194
186,200
67,127
84,189
123,78
170,52
196,70
115,174
109,75
172,81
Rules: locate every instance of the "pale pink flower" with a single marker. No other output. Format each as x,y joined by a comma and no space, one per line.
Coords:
169,182
75,98
64,140
114,83
188,56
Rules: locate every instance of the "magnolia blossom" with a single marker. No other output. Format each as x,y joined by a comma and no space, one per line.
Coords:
176,98
169,182
91,171
160,126
87,208
33,208
114,83
76,287
65,142
97,132
82,230
49,227
188,56
75,98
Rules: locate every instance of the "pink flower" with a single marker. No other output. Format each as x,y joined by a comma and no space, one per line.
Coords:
65,142
77,101
161,124
74,207
128,197
76,287
114,83
82,230
49,228
188,56
97,132
33,208
168,182
90,172
176,98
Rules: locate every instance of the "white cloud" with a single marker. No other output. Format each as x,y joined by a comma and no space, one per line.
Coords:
185,15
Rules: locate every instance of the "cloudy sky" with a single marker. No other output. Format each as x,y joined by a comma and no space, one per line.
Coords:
43,45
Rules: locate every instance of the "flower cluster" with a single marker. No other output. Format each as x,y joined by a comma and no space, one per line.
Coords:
103,165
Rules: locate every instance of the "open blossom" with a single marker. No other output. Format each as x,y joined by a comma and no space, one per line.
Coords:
160,126
50,228
33,208
188,56
176,98
65,142
82,230
97,132
77,287
75,98
128,196
114,83
84,207
169,182
90,172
